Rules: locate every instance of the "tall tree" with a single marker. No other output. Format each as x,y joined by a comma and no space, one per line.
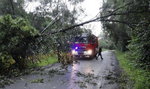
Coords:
53,15
127,22
13,7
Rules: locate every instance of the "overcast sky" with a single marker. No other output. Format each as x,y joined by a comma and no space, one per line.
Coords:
91,9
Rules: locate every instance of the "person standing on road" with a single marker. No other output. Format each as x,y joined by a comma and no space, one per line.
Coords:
99,53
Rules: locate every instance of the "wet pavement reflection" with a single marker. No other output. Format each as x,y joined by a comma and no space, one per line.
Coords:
84,74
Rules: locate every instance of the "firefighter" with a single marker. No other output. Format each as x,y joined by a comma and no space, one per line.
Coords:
99,53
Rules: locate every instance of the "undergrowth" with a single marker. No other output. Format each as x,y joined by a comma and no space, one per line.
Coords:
138,78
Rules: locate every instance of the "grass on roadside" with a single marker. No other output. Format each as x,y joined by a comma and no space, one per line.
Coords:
45,60
139,77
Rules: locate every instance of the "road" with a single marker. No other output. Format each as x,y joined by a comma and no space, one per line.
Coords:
85,74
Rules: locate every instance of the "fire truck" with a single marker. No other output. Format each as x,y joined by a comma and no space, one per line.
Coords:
85,46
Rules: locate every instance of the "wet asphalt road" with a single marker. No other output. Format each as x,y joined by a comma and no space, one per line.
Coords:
85,74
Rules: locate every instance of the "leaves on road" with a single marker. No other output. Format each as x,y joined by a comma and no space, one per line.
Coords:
38,81
53,72
5,81
87,79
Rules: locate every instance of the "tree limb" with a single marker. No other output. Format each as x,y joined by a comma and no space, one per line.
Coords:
12,6
103,18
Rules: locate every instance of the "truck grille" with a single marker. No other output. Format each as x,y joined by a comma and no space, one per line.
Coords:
81,50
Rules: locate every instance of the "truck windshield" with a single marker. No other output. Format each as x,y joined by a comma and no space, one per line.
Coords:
81,40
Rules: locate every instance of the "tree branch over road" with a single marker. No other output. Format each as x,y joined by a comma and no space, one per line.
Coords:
102,18
115,12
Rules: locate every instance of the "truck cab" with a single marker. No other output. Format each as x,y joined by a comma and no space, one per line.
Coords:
85,46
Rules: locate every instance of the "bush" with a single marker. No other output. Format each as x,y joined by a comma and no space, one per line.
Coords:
138,78
104,43
139,46
15,37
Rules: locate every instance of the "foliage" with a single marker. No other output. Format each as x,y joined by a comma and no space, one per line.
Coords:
15,37
46,14
114,31
131,31
140,43
138,78
38,81
106,44
21,42
45,59
5,81
13,7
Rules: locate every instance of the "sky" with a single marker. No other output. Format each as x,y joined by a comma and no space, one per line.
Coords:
30,6
91,9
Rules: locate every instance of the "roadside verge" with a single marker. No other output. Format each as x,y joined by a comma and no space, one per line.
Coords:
133,76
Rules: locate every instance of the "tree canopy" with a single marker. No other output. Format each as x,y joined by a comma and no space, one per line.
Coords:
15,36
127,25
25,34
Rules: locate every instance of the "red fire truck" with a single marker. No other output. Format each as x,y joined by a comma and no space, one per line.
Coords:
85,46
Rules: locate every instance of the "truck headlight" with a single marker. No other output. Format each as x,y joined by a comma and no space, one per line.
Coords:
88,52
74,52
